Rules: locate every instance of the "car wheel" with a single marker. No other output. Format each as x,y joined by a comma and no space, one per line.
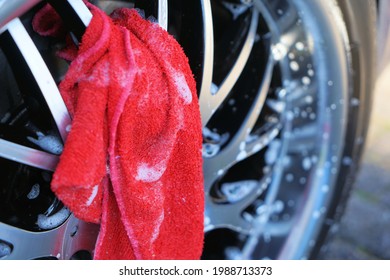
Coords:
285,95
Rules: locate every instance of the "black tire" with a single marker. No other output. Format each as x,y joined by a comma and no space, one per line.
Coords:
363,41
285,90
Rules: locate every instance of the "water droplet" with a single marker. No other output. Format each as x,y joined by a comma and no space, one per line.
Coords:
325,188
294,65
220,172
247,217
279,51
291,203
289,177
233,253
355,102
289,116
333,106
299,46
310,72
278,206
282,93
34,192
242,155
306,81
330,83
280,12
207,220
306,163
235,191
214,89
347,161
359,141
209,150
286,161
316,214
309,99
277,106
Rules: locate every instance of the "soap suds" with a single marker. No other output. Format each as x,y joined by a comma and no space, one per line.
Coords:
182,86
150,174
93,195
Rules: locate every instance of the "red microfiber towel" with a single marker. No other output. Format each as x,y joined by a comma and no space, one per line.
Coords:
132,160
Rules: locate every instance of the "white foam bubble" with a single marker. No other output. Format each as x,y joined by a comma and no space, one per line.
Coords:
235,191
156,230
5,249
34,192
182,87
146,173
93,195
48,143
50,222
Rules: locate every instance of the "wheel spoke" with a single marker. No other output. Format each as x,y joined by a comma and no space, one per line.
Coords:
31,245
75,15
163,14
81,10
12,9
242,146
41,75
225,216
208,63
28,156
62,242
215,100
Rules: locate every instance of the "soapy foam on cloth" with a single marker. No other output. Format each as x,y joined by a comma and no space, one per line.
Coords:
132,160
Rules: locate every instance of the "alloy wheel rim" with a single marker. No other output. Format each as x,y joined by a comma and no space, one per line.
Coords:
257,130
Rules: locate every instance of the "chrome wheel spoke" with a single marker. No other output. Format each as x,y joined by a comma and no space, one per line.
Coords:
41,74
32,245
225,216
15,8
162,16
28,156
241,146
81,10
61,243
208,63
216,99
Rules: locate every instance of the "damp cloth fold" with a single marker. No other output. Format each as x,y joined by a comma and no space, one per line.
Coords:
132,160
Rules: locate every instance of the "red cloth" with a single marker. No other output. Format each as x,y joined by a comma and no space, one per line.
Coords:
132,160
